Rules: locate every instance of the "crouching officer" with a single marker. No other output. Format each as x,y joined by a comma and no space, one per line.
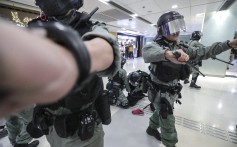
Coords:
137,83
75,120
116,85
167,65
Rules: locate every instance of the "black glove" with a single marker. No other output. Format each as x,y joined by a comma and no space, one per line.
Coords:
34,131
69,38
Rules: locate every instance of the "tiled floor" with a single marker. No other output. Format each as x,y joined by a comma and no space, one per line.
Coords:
207,117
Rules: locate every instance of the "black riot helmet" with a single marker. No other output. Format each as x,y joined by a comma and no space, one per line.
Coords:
196,35
58,7
170,23
134,78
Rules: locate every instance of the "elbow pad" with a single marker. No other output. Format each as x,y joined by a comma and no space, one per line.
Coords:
69,38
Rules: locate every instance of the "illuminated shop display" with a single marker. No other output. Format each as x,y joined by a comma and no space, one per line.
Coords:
20,18
16,19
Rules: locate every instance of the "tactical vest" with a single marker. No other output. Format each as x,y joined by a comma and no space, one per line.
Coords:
167,71
79,100
76,99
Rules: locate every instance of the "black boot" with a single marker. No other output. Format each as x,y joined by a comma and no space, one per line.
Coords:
153,132
34,143
124,105
193,85
186,81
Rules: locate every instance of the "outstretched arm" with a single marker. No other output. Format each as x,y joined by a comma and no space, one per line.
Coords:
200,52
34,69
197,51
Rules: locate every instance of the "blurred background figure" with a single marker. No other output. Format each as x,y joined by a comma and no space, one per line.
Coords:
130,50
126,44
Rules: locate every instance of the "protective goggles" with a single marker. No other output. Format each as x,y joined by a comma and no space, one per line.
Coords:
173,27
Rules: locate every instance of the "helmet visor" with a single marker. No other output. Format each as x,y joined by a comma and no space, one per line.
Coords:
201,34
173,27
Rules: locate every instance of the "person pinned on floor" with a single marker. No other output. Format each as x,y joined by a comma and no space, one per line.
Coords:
137,83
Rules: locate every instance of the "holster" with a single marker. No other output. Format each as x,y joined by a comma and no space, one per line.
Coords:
165,106
87,127
67,125
102,105
152,91
176,89
42,119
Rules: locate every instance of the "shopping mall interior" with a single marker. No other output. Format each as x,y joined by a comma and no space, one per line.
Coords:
207,116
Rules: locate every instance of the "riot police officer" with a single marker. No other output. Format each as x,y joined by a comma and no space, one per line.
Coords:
167,65
194,42
116,84
76,120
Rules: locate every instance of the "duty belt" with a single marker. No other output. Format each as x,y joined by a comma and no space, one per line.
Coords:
171,89
67,125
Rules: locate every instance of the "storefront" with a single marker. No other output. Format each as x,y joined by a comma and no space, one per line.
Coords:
131,41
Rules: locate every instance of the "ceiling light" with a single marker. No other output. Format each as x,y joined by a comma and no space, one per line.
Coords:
134,15
233,91
231,128
200,14
104,1
219,105
174,6
123,29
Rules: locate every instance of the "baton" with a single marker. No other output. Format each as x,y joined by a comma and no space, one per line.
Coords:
178,54
214,58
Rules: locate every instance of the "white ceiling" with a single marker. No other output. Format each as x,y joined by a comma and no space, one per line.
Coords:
151,10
